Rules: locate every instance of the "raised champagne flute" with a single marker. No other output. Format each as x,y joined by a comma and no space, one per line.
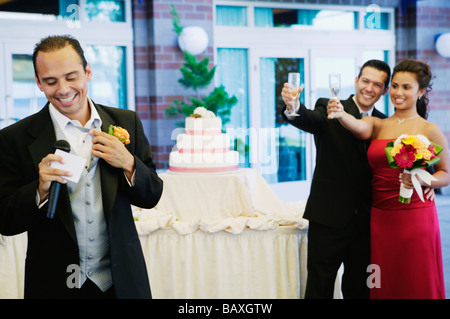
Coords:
335,84
294,80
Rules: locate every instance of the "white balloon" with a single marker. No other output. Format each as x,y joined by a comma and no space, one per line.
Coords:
443,45
193,39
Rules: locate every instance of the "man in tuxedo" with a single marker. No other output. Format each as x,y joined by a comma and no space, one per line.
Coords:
338,207
93,233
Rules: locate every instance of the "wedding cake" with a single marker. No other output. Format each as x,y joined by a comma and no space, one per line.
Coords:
203,148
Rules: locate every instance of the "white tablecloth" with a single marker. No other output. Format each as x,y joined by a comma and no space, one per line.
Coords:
12,265
253,264
223,236
210,236
215,202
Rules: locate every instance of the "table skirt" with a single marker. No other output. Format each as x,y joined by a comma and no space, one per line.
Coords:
13,250
253,264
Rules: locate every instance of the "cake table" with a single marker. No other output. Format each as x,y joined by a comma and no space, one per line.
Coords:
223,235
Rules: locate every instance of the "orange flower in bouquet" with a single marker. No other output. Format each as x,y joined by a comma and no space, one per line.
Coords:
413,153
121,133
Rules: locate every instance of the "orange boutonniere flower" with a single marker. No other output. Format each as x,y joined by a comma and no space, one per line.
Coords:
121,133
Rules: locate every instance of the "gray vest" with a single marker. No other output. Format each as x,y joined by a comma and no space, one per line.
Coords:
90,224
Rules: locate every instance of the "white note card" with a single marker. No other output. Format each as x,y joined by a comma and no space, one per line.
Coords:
72,163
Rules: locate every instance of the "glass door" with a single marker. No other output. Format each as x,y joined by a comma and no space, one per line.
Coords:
284,157
323,63
21,94
347,63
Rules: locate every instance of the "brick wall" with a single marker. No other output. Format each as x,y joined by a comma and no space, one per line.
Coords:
417,27
433,20
157,63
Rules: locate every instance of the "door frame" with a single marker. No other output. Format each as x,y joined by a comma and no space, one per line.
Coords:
284,190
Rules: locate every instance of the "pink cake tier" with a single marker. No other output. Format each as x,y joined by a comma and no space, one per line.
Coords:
203,148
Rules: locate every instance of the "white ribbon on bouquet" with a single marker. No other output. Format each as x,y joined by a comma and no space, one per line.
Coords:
424,175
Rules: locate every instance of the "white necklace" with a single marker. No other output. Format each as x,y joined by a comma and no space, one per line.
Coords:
403,120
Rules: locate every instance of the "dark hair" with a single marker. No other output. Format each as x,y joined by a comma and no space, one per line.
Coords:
57,42
423,76
379,65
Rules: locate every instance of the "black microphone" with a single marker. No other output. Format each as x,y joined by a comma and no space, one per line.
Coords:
62,145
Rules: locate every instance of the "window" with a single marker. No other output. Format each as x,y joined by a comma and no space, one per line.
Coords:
109,11
231,16
323,66
298,18
85,10
51,7
27,97
290,142
372,16
108,85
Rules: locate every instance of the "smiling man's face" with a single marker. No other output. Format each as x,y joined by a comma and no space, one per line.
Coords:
64,81
370,87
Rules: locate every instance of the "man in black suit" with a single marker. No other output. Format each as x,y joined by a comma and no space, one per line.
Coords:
338,207
98,233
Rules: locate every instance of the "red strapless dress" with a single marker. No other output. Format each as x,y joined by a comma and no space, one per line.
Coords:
405,238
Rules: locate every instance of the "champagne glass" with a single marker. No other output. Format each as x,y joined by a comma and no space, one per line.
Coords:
294,80
335,84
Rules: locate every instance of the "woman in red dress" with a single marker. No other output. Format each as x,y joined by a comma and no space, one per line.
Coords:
405,238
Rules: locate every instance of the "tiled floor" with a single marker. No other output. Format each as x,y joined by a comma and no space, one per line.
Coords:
443,208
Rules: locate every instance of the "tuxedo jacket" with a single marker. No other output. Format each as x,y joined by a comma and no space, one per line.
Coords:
341,184
52,243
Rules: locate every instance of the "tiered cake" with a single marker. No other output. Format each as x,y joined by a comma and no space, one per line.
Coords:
203,148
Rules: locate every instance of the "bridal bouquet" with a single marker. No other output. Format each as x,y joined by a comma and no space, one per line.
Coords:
413,153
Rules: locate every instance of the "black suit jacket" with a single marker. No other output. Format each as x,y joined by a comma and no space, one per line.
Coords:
52,243
342,177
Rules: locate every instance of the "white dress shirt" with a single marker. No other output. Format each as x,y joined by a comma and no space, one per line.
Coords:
77,135
369,112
